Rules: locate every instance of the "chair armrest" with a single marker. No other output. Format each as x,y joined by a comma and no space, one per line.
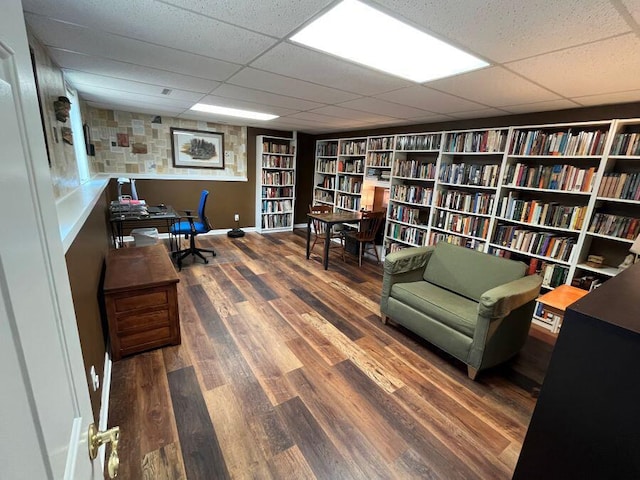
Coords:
406,265
500,301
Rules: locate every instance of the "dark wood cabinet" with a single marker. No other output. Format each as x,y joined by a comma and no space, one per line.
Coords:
140,291
586,423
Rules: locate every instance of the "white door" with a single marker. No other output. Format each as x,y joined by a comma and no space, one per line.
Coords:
44,402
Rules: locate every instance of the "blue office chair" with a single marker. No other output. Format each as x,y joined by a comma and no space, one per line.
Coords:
192,226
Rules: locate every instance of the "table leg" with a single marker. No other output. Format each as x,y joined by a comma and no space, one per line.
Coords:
327,239
308,235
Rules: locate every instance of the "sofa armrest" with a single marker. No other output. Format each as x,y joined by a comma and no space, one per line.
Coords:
406,265
500,301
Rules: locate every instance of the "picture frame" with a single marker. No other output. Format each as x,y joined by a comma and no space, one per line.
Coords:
197,148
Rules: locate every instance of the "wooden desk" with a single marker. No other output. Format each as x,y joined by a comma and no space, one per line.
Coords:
556,302
330,219
141,300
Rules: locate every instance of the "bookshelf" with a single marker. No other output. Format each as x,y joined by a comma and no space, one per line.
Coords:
467,182
379,158
326,169
412,181
275,185
350,173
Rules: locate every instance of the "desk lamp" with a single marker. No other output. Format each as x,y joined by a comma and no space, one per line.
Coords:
122,181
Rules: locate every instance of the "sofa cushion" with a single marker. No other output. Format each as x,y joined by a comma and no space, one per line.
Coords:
458,313
468,272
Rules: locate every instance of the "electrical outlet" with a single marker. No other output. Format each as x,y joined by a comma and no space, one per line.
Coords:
236,217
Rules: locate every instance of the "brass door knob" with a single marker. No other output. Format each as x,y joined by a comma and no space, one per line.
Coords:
97,438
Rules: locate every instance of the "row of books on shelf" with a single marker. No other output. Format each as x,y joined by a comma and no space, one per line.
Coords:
412,194
277,192
626,144
276,206
412,235
377,173
469,174
379,159
348,202
327,149
620,185
382,143
586,282
323,196
414,169
615,226
464,224
545,244
351,166
277,178
472,243
276,161
569,143
478,202
419,142
350,184
537,212
353,147
328,182
276,221
277,147
405,214
489,141
326,166
552,177
552,274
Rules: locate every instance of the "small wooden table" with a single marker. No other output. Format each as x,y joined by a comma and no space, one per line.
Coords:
141,300
330,219
556,302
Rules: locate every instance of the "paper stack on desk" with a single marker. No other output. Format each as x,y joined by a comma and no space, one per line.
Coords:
128,207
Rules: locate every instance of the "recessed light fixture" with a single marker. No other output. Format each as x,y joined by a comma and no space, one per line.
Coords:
364,35
232,112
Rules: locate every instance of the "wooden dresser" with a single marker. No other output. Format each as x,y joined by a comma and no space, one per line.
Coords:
141,300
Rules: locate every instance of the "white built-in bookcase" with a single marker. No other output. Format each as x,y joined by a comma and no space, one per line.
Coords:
275,183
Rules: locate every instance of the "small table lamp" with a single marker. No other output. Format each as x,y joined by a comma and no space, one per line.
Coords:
635,248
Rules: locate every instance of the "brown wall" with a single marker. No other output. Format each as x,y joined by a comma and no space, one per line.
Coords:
85,260
305,165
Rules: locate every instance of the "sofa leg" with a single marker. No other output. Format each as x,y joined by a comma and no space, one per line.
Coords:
383,317
472,372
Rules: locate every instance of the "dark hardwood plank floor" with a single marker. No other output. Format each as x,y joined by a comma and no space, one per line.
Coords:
285,371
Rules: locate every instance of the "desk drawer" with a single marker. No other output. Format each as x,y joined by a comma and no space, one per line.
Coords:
132,301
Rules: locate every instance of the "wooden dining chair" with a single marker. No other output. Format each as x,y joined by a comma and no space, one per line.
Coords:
319,228
366,235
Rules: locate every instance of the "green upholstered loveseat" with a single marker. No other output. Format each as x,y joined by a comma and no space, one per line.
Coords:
475,306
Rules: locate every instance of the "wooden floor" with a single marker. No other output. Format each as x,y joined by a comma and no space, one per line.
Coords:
285,371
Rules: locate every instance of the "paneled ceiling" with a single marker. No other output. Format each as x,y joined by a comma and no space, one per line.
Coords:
543,54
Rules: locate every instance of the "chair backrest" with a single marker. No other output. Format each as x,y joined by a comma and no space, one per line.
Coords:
319,227
201,207
369,225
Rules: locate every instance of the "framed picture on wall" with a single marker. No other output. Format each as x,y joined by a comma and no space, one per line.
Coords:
197,148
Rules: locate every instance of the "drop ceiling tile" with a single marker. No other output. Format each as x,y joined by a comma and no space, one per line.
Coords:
82,80
341,112
158,23
127,71
607,66
276,18
504,30
136,108
430,100
633,6
541,106
431,119
266,98
244,105
100,44
298,62
609,98
104,94
494,87
382,107
270,82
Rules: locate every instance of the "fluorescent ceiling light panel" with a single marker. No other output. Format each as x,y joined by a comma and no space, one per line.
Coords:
232,112
364,35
